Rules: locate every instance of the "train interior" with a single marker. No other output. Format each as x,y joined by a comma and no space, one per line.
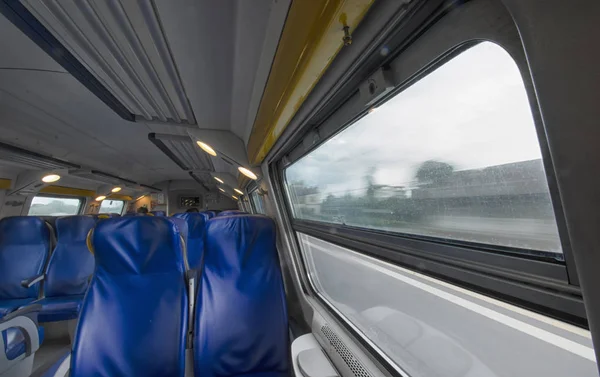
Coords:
352,188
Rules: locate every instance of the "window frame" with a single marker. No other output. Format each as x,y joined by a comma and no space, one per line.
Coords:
114,200
82,201
539,284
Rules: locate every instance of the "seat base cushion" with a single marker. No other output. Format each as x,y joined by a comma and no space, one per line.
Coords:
59,308
14,342
7,306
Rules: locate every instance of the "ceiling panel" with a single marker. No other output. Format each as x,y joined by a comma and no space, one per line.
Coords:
122,44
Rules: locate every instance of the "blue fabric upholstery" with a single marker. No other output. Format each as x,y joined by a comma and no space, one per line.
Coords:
24,248
158,213
69,269
7,306
232,212
133,321
71,263
241,318
14,342
210,214
196,224
59,308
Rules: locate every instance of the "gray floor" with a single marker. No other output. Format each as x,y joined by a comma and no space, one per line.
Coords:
48,354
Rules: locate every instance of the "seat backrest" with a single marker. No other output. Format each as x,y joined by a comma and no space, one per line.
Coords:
241,323
24,248
196,223
210,214
158,213
232,212
134,316
71,263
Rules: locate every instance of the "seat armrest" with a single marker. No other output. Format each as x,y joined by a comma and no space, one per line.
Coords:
30,311
28,283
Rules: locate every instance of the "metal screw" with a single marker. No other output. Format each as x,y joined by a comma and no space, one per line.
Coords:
347,37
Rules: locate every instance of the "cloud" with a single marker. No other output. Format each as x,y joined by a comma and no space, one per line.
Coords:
472,112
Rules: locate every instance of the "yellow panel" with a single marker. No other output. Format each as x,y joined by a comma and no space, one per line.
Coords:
61,190
119,197
4,184
312,37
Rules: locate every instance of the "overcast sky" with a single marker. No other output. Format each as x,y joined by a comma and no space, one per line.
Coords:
472,112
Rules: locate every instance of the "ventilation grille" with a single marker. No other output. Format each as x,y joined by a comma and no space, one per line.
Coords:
351,361
122,44
24,157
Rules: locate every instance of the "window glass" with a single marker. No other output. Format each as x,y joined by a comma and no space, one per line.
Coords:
257,202
54,206
453,156
111,206
430,328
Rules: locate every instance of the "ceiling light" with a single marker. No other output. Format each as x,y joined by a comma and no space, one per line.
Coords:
206,148
141,197
116,189
221,189
235,197
51,178
100,198
239,191
247,173
219,179
372,110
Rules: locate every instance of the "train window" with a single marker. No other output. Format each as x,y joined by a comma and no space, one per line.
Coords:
257,202
454,156
431,328
111,206
42,205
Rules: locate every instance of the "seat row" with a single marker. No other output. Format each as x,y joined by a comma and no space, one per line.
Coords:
47,265
144,309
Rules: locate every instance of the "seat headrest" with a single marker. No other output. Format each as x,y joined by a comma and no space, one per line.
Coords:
232,212
137,245
74,228
24,230
196,222
210,214
158,213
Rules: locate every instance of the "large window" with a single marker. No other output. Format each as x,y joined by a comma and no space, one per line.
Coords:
431,328
455,156
111,206
54,206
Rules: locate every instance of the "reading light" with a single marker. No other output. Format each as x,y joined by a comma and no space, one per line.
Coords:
206,148
51,178
238,191
116,189
221,189
235,197
100,198
218,179
247,173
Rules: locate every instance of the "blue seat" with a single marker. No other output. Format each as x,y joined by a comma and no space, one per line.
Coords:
241,326
196,224
24,248
159,213
134,317
69,270
210,214
232,212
